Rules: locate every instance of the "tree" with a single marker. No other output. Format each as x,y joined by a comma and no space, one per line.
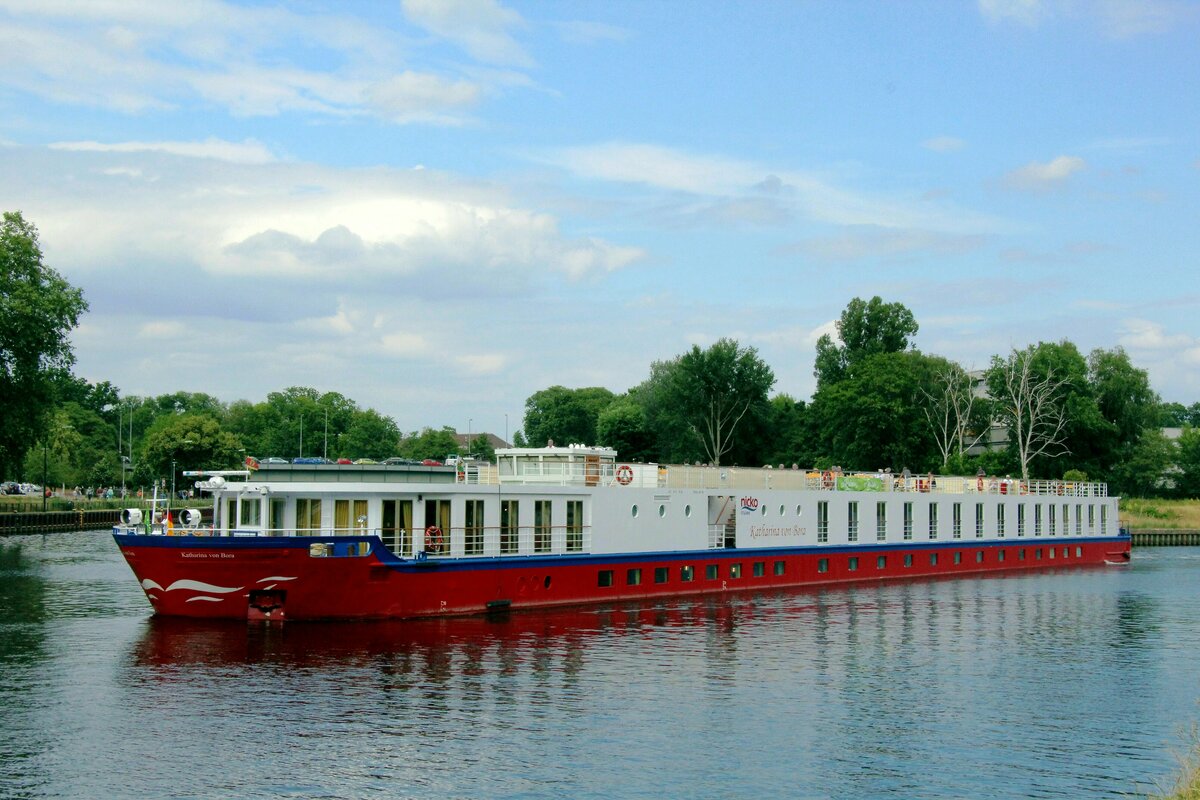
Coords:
715,389
565,416
481,448
370,435
1030,402
37,310
873,419
1187,481
189,441
866,328
954,412
622,426
429,443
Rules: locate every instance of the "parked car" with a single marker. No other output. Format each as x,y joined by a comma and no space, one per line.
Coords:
344,461
393,460
431,462
10,487
309,460
274,460
365,461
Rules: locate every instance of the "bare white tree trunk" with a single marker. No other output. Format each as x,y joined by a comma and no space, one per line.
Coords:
949,412
1033,409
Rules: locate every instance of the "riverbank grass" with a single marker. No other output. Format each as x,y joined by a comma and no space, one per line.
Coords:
1174,514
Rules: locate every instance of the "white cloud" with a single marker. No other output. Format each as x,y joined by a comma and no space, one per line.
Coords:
1140,334
1036,176
161,329
482,363
246,152
943,144
860,242
1024,12
422,97
725,184
481,27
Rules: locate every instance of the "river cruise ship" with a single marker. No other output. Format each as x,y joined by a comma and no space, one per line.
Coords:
566,525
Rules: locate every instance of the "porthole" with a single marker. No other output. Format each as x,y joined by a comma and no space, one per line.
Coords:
687,511
782,510
546,583
797,510
662,511
635,510
763,509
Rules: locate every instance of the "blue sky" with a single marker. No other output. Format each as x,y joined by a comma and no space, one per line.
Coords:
439,208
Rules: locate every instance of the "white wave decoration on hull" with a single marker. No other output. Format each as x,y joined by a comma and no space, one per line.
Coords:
276,578
190,584
202,597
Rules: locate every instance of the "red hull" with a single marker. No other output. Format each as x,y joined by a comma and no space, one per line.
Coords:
278,578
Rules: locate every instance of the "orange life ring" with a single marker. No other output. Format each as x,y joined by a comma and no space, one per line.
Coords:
433,539
624,474
827,479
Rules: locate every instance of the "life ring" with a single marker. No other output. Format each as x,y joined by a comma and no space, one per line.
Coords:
624,474
827,479
433,539
1059,488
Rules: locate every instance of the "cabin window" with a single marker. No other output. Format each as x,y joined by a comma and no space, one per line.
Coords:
1052,552
1066,520
251,513
978,556
823,521
662,511
687,574
1020,520
779,567
1038,554
760,569
633,512
957,517
1079,520
798,509
908,521
957,556
1037,520
473,527
604,577
1000,520
979,520
933,521
278,504
1103,520
933,559
542,535
1021,554
881,522
908,560
852,564
1000,555
574,526
661,574
308,514
1079,552
633,577
349,516
397,526
1053,519
1091,519
735,570
852,521
510,537
822,565
687,510
880,562
710,572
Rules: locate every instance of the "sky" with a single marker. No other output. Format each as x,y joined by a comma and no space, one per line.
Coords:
438,208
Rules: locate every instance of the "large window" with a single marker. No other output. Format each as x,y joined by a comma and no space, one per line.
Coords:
509,530
933,521
852,521
541,526
1037,520
277,507
823,521
881,522
908,521
308,515
437,515
1021,520
957,520
350,516
574,526
473,527
251,513
396,528
979,520
1000,520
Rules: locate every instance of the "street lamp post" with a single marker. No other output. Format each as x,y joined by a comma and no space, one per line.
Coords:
45,488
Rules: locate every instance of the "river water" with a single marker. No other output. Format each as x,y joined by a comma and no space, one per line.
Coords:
1074,684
